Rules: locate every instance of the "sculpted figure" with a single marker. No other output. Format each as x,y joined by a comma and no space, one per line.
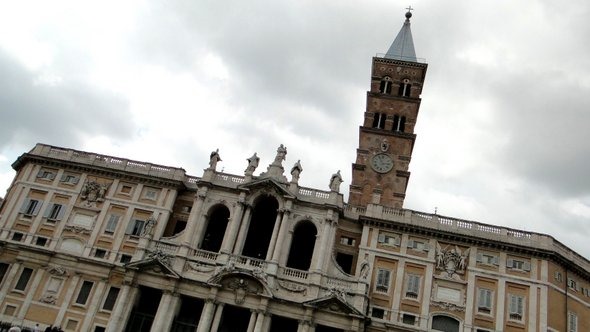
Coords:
295,171
335,181
281,153
252,164
149,227
213,159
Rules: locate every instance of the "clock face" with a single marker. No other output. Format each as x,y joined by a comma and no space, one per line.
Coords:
382,163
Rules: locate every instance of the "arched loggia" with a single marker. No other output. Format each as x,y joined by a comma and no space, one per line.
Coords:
302,245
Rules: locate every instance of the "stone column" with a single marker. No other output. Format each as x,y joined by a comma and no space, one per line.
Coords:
252,321
166,311
193,218
32,289
93,307
206,316
281,237
500,300
275,234
217,317
259,321
229,239
326,232
243,231
122,308
67,299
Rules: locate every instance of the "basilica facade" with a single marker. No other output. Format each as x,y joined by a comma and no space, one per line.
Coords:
92,242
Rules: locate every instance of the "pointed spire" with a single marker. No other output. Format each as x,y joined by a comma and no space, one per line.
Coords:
402,47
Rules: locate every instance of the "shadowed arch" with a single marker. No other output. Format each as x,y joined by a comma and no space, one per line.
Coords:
302,245
216,226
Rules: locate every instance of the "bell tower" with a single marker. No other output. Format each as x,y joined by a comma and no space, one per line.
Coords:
386,138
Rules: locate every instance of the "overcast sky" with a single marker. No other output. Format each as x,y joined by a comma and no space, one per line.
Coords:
502,131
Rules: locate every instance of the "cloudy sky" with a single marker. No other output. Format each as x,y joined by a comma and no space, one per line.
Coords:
502,131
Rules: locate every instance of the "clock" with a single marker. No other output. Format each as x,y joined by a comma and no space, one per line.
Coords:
381,163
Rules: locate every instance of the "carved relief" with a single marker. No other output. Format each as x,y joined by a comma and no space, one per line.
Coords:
48,298
57,271
242,286
447,306
161,256
191,266
77,229
293,287
451,260
93,191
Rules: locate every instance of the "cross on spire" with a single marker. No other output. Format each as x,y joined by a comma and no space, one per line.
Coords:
409,8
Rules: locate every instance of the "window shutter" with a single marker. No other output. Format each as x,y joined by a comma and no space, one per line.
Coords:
37,208
396,241
130,226
51,176
62,210
479,258
527,266
23,207
40,174
513,304
63,178
48,210
75,180
509,262
381,238
427,247
496,260
410,243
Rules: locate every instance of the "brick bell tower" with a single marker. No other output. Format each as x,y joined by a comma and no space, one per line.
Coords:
386,138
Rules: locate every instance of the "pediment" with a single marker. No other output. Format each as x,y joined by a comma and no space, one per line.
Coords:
154,265
334,303
266,184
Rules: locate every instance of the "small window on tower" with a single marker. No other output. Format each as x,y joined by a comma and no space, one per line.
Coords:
379,120
399,123
405,88
385,85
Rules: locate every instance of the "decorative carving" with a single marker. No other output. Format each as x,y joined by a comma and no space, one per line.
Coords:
259,273
281,155
161,256
365,268
148,229
57,271
77,229
451,260
48,298
296,171
242,286
198,267
93,191
293,287
447,306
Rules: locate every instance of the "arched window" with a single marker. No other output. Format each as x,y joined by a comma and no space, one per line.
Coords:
379,120
385,86
399,123
405,88
216,225
261,226
445,323
302,245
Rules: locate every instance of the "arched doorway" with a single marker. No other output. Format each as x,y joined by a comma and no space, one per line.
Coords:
445,323
302,246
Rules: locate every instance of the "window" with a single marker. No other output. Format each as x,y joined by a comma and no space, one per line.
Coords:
71,325
348,241
388,239
557,276
377,313
99,329
45,174
111,226
69,179
109,302
126,189
31,207
41,241
484,300
100,253
54,212
405,88
399,123
408,319
417,245
84,292
518,264
383,278
150,193
487,259
385,86
125,259
571,283
516,308
572,322
379,120
17,236
413,286
135,227
24,278
3,270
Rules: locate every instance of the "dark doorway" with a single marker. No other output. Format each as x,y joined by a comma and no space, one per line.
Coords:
234,319
302,245
323,328
344,261
261,227
445,323
144,311
283,324
188,315
216,226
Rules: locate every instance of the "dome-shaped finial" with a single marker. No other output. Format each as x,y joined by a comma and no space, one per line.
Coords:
409,13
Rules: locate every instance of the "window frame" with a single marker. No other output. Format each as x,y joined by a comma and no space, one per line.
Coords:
108,299
83,296
485,301
413,286
23,280
516,307
383,280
